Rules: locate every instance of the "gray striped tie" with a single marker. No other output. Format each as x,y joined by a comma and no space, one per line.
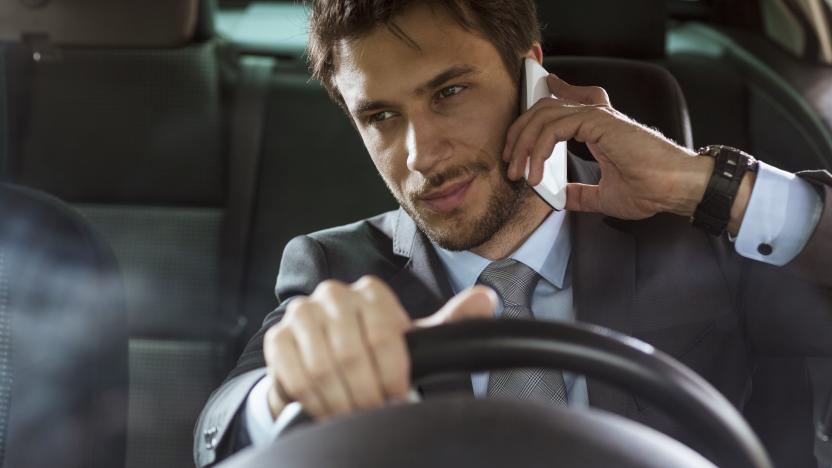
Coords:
515,283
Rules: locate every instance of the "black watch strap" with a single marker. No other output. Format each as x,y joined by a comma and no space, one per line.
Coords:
714,211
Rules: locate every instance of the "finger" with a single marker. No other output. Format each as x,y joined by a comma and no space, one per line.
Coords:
527,137
589,95
308,328
285,369
514,131
585,198
542,151
542,131
353,356
479,302
560,129
522,122
384,324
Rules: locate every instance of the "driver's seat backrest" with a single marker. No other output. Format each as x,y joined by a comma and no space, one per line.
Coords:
63,339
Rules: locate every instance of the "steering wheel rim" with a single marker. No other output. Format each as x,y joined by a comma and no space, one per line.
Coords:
617,359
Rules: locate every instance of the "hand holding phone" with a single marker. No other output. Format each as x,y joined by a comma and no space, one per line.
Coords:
553,186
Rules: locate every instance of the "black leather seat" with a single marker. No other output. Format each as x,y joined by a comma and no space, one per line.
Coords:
118,108
63,339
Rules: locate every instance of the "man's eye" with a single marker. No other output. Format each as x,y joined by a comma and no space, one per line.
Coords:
380,117
450,91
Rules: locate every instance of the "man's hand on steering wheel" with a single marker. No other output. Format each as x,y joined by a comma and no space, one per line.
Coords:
343,349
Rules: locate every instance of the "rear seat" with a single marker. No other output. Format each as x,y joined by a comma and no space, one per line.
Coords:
123,116
314,173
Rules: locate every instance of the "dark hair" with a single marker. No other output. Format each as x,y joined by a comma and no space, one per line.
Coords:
510,25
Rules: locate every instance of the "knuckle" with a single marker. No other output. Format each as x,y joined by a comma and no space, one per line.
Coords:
598,91
382,340
295,306
330,288
302,318
368,282
273,334
349,359
320,376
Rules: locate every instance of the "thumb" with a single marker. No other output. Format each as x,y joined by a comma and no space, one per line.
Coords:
581,197
477,302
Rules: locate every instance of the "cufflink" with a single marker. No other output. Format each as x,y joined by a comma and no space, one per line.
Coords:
209,436
765,249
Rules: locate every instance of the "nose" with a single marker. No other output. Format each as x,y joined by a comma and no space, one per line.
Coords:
427,144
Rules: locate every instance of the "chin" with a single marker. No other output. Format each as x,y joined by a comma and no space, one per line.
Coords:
458,234
460,230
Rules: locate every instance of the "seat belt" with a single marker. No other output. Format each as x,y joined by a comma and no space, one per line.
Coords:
246,135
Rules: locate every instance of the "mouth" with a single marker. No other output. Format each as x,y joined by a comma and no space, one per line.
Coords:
448,198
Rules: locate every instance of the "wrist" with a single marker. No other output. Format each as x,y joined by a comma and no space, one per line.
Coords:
691,184
723,203
741,202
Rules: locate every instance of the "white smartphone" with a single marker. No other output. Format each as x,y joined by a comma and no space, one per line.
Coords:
534,87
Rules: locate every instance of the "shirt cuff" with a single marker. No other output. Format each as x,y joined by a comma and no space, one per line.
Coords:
781,216
261,428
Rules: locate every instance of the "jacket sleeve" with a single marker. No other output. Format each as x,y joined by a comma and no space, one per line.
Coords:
302,268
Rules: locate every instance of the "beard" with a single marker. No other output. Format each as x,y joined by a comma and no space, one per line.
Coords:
455,231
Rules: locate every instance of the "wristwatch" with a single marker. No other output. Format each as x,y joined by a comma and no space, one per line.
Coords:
714,211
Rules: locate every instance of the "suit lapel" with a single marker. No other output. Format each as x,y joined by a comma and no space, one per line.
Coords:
423,288
422,284
604,271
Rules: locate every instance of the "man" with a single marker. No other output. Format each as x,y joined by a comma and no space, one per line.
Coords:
432,88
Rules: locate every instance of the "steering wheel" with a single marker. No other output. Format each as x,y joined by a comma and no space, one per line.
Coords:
462,432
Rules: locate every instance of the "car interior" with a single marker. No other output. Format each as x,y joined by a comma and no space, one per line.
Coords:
180,144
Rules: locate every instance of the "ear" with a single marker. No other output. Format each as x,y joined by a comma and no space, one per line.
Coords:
536,52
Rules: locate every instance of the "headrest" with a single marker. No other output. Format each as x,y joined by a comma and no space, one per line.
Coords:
613,28
100,23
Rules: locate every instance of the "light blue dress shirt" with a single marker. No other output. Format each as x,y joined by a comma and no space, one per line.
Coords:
552,297
783,212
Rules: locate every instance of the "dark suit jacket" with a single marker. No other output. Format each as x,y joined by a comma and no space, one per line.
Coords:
659,280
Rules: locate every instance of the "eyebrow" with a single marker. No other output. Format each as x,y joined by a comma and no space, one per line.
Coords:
451,73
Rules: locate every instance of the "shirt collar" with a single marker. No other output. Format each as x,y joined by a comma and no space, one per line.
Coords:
548,259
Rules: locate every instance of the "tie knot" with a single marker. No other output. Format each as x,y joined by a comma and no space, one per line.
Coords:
512,281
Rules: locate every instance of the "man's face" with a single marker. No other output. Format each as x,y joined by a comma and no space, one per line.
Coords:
434,120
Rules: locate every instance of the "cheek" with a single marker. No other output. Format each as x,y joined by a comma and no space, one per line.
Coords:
390,163
486,122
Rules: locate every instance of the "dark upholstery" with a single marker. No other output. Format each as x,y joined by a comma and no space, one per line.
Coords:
775,113
734,99
63,338
315,173
604,27
126,126
135,139
102,23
